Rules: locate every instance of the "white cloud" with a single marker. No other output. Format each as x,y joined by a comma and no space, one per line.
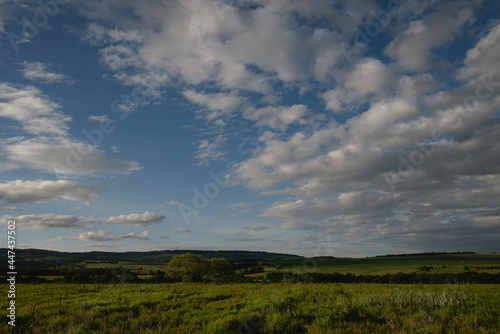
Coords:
97,34
304,237
412,48
244,237
46,191
247,50
180,229
368,78
106,235
144,235
221,105
2,23
60,238
66,157
9,208
103,235
101,118
40,72
170,203
211,149
50,149
484,58
256,228
136,219
277,117
333,169
50,220
240,208
34,110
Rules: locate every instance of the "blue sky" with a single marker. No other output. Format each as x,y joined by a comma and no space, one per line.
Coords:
342,128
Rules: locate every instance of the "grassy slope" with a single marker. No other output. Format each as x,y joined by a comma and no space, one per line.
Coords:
256,308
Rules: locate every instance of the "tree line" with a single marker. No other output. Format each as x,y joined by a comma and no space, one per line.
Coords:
192,268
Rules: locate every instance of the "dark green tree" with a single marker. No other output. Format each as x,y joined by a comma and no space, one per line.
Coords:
220,271
193,268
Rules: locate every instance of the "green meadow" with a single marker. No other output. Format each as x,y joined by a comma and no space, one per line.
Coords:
449,263
255,308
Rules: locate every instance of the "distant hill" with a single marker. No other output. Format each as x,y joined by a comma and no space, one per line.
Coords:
36,257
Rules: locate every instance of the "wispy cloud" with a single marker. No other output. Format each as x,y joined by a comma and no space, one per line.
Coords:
37,113
244,237
257,228
40,72
101,118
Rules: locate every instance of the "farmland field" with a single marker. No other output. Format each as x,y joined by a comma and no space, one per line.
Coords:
255,308
451,263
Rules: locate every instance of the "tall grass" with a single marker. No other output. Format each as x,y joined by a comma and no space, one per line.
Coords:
255,308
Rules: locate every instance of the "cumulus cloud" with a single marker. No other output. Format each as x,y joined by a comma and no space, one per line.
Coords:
246,51
256,228
97,34
50,148
37,113
277,117
66,157
50,220
244,237
304,237
39,191
439,143
354,174
483,59
220,105
412,48
369,78
136,219
106,235
40,72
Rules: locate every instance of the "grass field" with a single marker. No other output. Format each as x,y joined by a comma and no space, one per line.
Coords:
450,263
255,308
